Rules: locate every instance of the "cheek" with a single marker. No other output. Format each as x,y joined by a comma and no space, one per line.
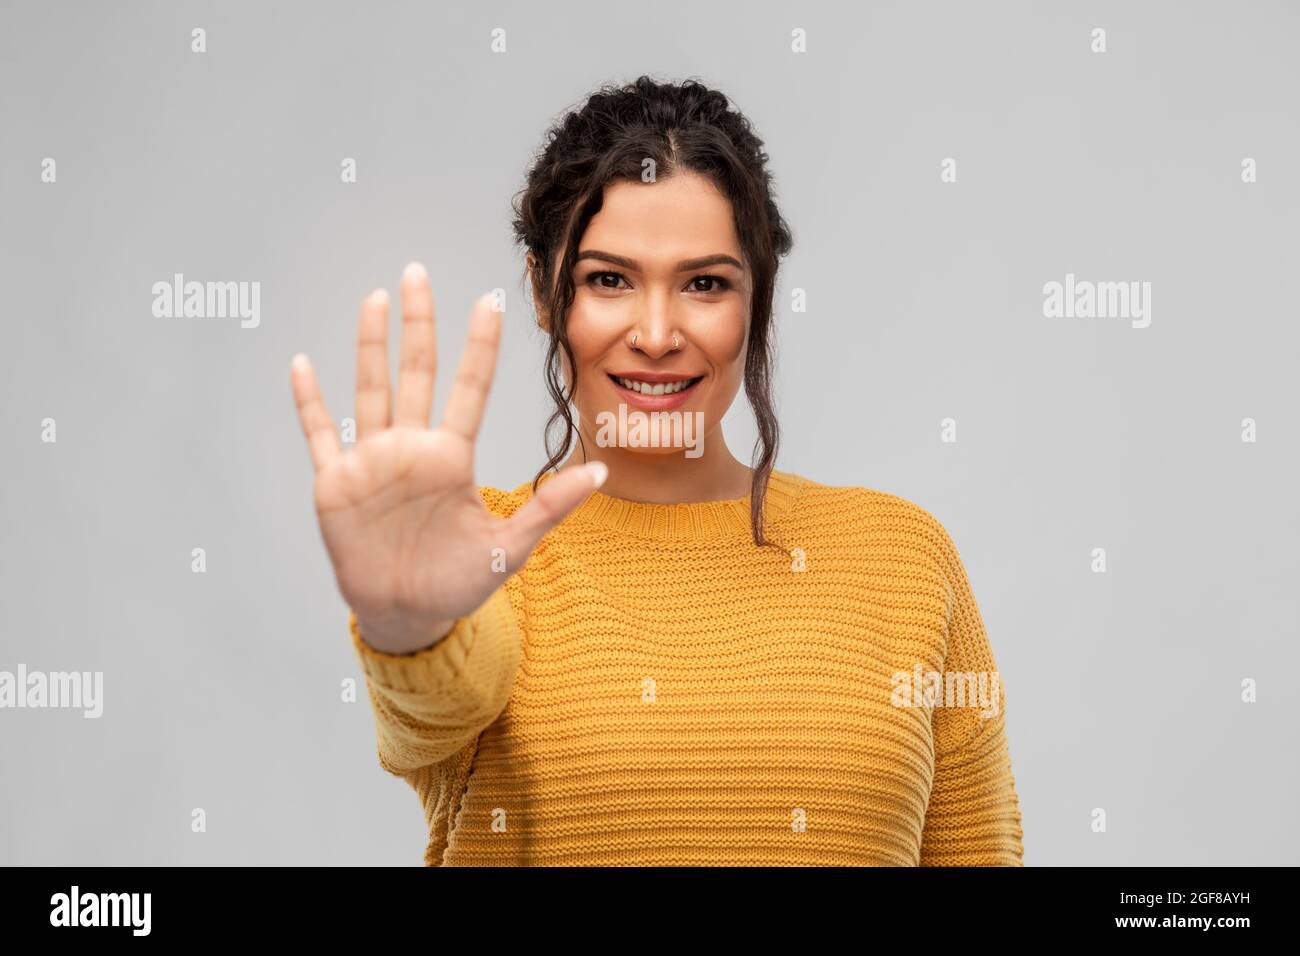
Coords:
589,338
724,344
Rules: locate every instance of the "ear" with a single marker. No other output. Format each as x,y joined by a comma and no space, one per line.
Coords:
534,275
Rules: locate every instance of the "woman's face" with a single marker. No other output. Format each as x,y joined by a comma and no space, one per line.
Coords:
660,260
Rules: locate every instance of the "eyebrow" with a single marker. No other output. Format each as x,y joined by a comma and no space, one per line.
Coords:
686,265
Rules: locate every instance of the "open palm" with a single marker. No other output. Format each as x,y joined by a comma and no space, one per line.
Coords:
412,544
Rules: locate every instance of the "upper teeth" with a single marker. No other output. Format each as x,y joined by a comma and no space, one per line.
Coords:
659,388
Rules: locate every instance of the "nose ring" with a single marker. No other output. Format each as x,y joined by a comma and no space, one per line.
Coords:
676,344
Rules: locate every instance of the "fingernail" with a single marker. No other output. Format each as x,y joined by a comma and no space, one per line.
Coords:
379,297
414,271
300,362
599,472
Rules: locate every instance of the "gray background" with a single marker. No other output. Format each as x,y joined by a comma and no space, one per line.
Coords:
925,301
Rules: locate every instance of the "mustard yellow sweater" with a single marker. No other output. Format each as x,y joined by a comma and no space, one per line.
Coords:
654,689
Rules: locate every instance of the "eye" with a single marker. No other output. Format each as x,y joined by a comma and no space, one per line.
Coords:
611,280
597,279
719,284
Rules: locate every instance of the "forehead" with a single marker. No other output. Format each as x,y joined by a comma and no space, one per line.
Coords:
678,217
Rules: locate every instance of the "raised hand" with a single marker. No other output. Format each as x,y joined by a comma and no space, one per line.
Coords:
410,539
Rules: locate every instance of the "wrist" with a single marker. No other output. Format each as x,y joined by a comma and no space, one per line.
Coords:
401,636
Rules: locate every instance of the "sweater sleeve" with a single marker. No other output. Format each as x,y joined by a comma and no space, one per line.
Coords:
973,818
430,704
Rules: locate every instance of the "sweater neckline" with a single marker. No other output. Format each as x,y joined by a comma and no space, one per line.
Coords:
688,520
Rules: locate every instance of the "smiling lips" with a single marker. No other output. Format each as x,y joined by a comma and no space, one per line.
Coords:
655,391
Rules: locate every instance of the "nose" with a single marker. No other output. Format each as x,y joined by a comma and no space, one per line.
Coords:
654,334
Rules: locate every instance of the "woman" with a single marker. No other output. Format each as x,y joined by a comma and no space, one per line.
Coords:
702,663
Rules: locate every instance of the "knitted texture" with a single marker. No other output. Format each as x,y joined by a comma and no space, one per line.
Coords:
654,689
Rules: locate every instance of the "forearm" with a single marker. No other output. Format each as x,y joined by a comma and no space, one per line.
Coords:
429,704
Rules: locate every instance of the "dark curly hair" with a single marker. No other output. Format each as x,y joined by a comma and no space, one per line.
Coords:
680,126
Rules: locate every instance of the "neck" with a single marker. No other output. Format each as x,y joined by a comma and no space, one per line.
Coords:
666,477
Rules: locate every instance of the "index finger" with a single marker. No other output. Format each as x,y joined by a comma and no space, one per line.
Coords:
473,381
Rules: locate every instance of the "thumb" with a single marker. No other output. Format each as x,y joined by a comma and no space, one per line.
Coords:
554,500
